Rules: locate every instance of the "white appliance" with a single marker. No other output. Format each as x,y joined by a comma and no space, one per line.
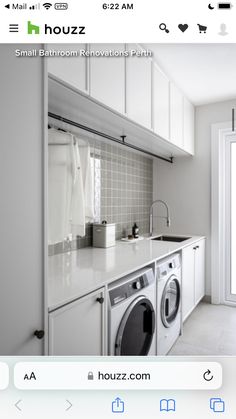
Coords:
132,314
169,319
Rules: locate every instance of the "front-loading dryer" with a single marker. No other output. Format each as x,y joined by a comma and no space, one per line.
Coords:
132,314
169,294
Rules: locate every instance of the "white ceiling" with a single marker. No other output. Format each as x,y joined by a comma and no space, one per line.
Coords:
205,73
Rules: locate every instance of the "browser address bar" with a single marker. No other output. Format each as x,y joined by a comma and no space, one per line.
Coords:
118,376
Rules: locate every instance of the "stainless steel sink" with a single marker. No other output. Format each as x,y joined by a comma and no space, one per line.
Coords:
177,239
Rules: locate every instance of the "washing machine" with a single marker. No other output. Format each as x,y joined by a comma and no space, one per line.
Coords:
132,314
169,295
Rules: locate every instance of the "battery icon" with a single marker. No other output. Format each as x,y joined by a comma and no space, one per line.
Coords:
225,6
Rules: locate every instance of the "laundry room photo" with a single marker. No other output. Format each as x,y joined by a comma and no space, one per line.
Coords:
118,199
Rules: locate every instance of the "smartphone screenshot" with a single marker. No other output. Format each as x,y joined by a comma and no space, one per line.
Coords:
117,209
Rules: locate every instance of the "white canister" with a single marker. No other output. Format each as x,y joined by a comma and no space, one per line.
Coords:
104,235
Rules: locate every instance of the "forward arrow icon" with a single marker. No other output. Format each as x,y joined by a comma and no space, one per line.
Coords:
69,405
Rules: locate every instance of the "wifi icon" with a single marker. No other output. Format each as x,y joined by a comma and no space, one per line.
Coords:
47,5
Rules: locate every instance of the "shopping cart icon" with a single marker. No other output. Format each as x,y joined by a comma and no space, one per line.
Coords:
202,28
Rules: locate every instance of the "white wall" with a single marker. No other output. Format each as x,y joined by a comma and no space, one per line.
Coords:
21,208
186,185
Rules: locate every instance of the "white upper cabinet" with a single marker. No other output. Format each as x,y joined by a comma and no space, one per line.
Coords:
189,114
139,88
160,101
176,116
107,77
132,85
72,70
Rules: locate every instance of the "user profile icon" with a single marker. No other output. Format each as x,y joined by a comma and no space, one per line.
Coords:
223,30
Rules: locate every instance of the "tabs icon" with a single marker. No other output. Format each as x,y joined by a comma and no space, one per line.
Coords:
217,405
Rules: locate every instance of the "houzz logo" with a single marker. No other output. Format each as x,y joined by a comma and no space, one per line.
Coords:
33,29
66,30
55,30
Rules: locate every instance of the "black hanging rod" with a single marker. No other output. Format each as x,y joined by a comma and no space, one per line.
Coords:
108,137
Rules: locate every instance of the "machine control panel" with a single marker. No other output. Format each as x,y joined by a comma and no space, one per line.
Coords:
130,285
166,266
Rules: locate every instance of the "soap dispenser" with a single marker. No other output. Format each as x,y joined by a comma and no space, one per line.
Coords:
135,231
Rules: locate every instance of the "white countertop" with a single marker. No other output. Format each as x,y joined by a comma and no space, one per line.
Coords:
74,274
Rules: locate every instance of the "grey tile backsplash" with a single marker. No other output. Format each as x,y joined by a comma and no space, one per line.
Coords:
122,192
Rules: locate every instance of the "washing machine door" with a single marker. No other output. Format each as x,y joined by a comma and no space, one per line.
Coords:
136,330
170,302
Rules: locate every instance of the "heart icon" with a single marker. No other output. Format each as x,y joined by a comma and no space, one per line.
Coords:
183,28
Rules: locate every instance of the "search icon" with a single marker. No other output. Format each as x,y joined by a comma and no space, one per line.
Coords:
163,27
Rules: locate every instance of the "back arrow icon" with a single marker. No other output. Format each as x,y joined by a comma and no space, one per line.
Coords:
17,405
208,375
70,405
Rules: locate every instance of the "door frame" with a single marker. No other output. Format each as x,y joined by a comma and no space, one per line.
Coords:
45,207
228,229
219,135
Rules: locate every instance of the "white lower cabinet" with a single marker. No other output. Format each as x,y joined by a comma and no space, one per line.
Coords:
78,328
187,281
199,271
193,276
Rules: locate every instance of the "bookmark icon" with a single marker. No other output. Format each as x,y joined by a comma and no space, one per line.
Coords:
167,405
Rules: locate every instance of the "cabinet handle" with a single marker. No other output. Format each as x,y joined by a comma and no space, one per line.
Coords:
194,248
39,334
100,300
197,247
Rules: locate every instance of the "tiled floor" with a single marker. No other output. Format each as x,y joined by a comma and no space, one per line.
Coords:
210,330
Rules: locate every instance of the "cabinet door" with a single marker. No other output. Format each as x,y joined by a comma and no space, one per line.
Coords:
78,328
107,77
176,116
199,271
188,126
161,105
138,88
72,70
188,272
